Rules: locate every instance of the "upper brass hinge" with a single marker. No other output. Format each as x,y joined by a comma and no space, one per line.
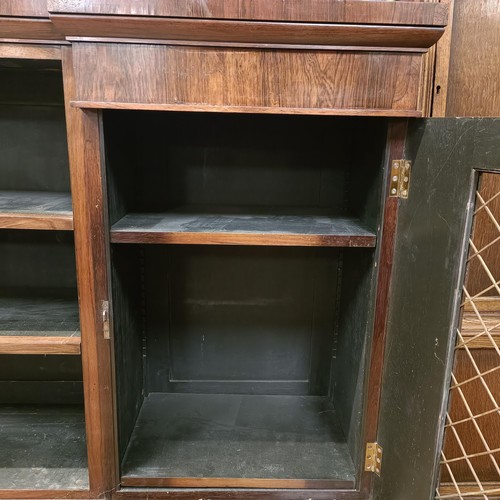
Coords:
400,179
105,319
373,458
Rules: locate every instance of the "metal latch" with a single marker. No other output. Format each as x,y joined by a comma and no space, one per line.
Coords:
373,458
105,319
400,179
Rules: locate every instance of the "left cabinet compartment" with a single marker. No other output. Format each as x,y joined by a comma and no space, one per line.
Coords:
34,172
42,420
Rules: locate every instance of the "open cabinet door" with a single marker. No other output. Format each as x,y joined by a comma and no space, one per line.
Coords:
430,253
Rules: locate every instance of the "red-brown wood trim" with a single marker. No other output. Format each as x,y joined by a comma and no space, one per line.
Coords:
396,144
29,51
236,45
91,258
43,494
247,31
36,221
247,109
29,28
24,8
243,494
263,239
36,42
39,345
317,11
214,482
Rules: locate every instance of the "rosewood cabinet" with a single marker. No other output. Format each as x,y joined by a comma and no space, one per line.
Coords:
267,263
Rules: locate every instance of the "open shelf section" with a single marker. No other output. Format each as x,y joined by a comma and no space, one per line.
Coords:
39,326
35,210
225,440
242,226
43,448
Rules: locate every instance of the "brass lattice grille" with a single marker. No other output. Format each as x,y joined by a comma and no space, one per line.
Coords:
471,453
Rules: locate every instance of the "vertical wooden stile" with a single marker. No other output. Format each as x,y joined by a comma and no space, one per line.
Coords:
84,143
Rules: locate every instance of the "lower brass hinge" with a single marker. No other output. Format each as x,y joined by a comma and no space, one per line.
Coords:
400,179
373,458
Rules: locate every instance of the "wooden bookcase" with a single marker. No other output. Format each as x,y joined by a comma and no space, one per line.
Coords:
41,397
239,248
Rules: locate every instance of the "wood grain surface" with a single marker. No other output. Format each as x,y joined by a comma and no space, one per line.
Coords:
29,51
479,402
35,210
39,345
91,260
332,11
223,78
32,28
43,494
473,327
24,8
247,31
232,493
474,86
240,227
484,233
396,148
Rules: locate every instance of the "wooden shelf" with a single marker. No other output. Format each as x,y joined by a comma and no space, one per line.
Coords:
39,326
35,210
231,226
43,448
225,440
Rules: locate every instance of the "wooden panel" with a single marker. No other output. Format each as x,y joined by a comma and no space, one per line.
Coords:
429,263
284,442
250,32
230,493
29,51
186,482
35,210
39,345
442,68
489,310
485,232
242,227
26,8
33,29
92,263
479,402
43,448
474,86
239,320
331,11
39,326
491,488
247,79
42,494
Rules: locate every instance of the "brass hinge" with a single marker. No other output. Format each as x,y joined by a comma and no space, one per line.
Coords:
105,319
373,458
400,179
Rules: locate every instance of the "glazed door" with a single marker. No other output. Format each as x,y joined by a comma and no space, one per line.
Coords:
432,236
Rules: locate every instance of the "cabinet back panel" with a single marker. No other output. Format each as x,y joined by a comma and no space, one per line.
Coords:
204,161
239,319
160,160
40,380
34,148
30,81
32,260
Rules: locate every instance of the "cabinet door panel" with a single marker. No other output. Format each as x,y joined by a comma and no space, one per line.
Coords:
431,244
